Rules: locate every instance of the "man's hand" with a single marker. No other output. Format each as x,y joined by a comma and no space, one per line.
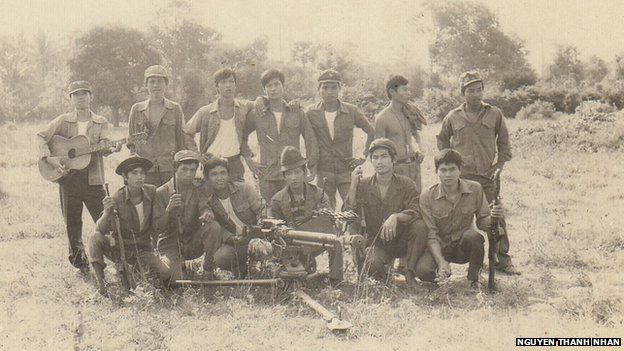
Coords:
109,204
175,201
57,164
356,174
389,227
254,167
206,217
444,272
497,211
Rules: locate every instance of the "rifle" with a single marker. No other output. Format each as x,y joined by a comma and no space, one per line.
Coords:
180,228
495,234
122,267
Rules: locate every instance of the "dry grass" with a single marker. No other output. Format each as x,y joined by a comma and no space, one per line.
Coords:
565,224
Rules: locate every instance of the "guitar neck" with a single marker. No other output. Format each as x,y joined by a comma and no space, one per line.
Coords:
103,145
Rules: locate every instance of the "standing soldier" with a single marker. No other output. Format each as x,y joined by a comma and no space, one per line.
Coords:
222,126
82,186
163,120
393,123
180,209
277,125
477,131
297,202
333,122
133,204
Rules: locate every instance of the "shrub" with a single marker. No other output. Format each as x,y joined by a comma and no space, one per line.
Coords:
436,103
537,110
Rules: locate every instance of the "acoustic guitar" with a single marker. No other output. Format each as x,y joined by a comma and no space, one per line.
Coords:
75,153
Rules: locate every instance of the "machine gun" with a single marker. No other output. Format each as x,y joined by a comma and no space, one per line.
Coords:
288,248
123,269
495,233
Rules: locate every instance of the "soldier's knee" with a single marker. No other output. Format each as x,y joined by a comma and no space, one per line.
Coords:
95,244
225,257
473,237
419,228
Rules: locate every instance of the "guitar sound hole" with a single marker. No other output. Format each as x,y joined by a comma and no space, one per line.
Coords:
71,153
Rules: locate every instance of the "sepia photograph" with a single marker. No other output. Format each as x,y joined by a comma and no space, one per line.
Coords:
311,175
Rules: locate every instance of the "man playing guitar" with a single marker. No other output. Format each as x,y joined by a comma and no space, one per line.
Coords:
78,186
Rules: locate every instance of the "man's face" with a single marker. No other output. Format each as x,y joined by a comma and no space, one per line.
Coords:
156,85
401,94
274,89
473,93
81,99
218,178
382,161
448,173
186,172
227,87
295,177
136,177
329,91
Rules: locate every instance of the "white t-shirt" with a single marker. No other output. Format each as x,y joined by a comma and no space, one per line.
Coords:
139,209
229,209
226,142
278,120
331,117
82,127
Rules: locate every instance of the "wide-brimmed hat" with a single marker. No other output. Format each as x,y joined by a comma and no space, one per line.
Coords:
133,162
291,158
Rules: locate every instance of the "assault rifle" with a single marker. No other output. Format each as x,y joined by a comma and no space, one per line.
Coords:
123,269
495,233
180,229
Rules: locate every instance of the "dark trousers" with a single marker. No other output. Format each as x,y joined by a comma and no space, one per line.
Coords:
467,249
379,254
236,168
410,170
332,183
489,188
75,190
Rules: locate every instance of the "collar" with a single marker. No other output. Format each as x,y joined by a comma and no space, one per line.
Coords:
73,118
214,106
126,194
484,106
463,189
143,105
341,106
267,107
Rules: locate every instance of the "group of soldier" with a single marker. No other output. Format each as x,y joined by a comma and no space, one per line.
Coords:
167,215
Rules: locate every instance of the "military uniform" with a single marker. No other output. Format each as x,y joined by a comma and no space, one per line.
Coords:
79,186
484,146
165,134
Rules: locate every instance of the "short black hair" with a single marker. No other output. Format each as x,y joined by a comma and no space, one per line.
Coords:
448,156
395,81
271,74
223,74
213,163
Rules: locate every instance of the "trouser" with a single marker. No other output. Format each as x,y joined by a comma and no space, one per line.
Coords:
158,178
489,188
469,248
410,170
141,259
74,190
230,257
331,182
268,188
236,169
192,246
374,260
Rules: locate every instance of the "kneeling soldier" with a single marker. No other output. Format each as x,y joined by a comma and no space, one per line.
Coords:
388,203
133,204
297,201
180,209
235,205
448,209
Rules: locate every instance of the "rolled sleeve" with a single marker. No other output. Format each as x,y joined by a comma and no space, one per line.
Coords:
502,141
44,136
483,214
446,131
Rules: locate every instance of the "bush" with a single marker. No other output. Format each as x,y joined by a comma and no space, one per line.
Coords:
537,110
436,103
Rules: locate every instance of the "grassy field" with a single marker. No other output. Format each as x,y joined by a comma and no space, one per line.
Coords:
565,211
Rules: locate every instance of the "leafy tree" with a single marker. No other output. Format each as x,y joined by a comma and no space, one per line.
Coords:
113,59
596,69
16,80
467,36
567,64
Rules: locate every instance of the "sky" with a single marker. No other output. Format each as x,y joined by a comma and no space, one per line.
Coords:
382,30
